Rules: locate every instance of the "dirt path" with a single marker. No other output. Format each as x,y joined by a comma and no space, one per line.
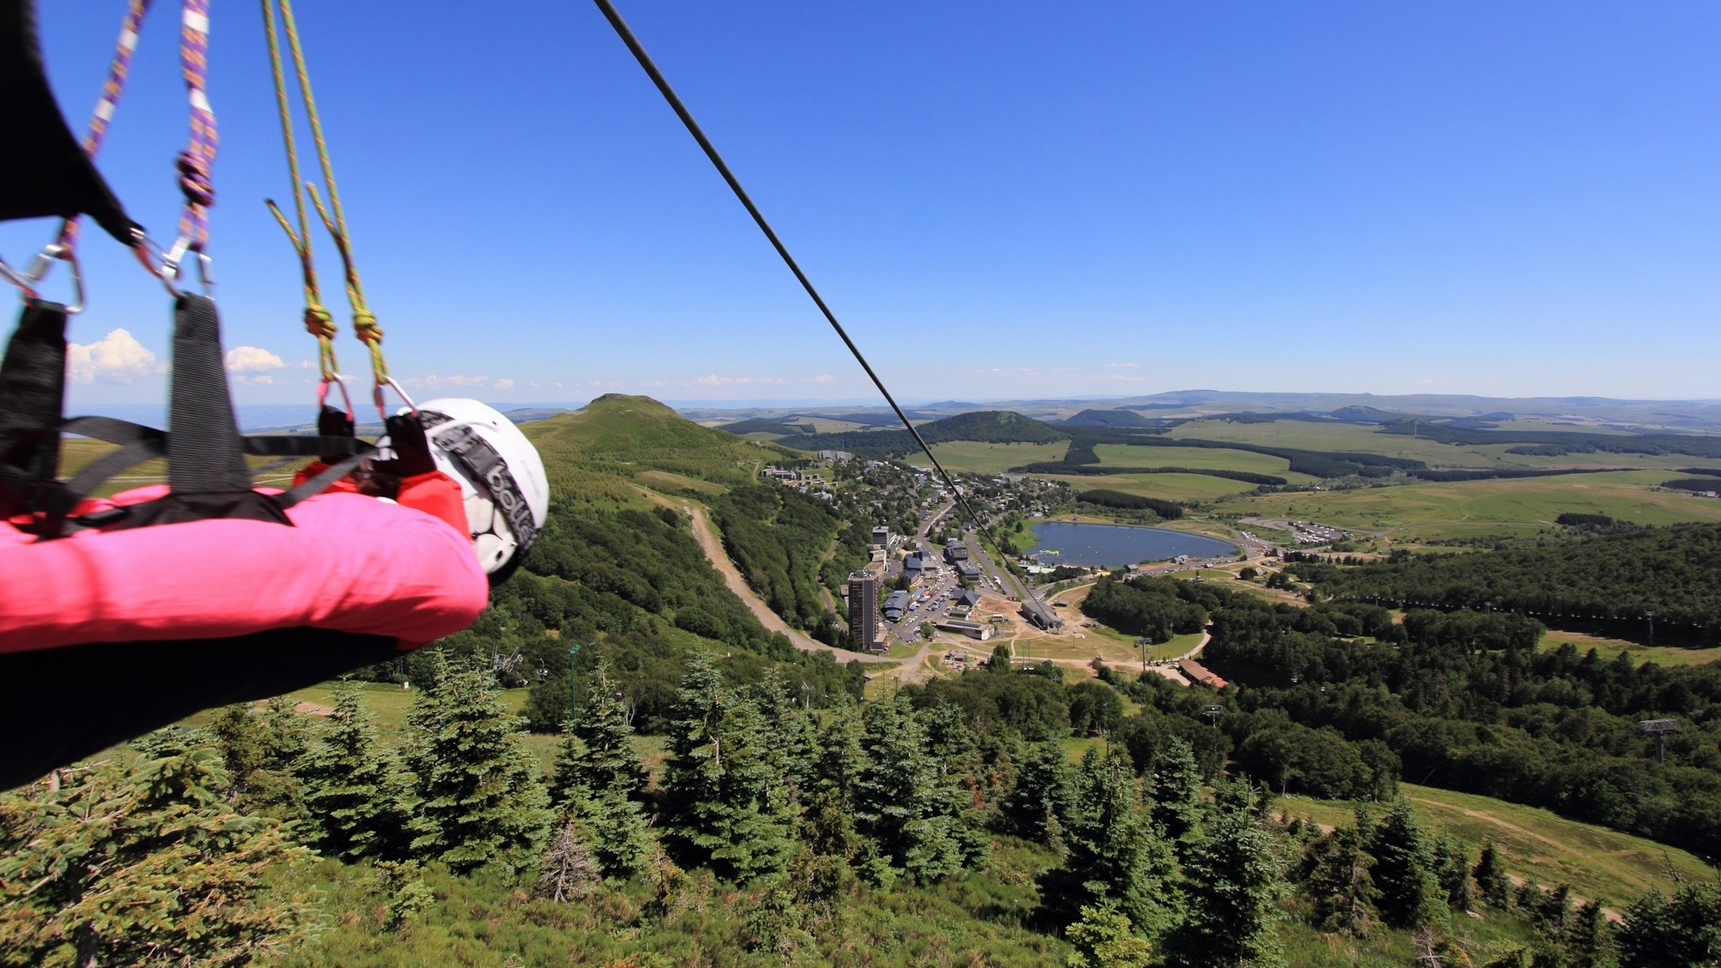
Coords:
707,537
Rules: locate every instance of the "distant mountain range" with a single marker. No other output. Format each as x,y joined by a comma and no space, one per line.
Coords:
1475,412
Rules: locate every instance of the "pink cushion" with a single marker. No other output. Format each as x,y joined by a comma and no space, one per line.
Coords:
351,563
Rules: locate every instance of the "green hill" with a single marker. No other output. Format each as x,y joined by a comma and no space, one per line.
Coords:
1108,418
617,433
983,426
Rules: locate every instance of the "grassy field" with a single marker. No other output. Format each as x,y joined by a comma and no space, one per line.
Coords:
978,458
1367,439
1608,648
1536,844
1486,507
1206,458
678,482
1187,488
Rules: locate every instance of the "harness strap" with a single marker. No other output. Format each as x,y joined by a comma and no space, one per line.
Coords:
119,69
198,157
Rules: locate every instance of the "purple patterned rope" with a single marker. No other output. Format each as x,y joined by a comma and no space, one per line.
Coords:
199,154
118,70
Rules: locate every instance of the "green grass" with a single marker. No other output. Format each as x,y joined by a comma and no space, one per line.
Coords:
978,458
1470,508
1536,844
1185,488
1204,458
1608,648
665,480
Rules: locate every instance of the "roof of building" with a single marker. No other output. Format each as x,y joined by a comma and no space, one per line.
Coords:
896,599
1200,673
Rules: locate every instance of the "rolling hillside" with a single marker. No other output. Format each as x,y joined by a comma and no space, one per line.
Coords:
983,426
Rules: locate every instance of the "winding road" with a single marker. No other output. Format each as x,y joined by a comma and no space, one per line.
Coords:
706,535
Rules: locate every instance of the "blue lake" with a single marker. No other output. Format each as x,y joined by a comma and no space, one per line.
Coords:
1113,546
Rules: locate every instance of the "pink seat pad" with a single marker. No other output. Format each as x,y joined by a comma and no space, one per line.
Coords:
350,563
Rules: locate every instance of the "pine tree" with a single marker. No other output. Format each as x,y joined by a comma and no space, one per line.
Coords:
792,731
355,791
146,865
1104,938
1112,853
726,785
963,779
1491,880
480,798
1233,883
1452,871
1404,870
1338,881
262,754
1683,931
1178,806
900,807
598,778
1038,806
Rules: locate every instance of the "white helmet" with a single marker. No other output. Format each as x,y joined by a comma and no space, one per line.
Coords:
500,475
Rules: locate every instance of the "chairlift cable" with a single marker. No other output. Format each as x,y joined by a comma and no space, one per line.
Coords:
645,61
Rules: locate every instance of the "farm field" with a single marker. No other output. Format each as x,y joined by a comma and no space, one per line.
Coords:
1204,458
1608,648
1535,844
1187,488
1329,437
1471,508
979,458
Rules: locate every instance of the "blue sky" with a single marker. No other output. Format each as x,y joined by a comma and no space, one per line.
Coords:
1000,200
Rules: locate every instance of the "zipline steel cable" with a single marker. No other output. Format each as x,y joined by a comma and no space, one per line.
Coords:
645,61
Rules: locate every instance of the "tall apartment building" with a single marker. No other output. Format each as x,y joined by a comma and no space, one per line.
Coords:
863,608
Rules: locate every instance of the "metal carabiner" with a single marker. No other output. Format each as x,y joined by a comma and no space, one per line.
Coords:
171,259
376,394
39,267
19,279
323,396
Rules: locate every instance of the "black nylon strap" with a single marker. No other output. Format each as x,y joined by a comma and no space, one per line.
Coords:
112,430
32,386
287,446
204,452
43,169
321,482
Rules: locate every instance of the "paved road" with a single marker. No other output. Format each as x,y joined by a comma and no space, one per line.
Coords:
707,537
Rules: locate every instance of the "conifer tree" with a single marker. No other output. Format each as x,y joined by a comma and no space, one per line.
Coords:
1104,938
1683,931
1404,870
900,807
726,785
963,779
144,865
1178,806
1338,881
480,798
355,790
1491,880
1112,853
792,732
598,778
827,822
1452,871
1233,884
1039,805
262,754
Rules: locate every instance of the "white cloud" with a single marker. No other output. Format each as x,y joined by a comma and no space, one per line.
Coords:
713,380
252,364
504,384
456,380
821,378
252,359
115,358
1129,366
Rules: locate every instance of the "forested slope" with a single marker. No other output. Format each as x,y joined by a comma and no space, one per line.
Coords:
1674,572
